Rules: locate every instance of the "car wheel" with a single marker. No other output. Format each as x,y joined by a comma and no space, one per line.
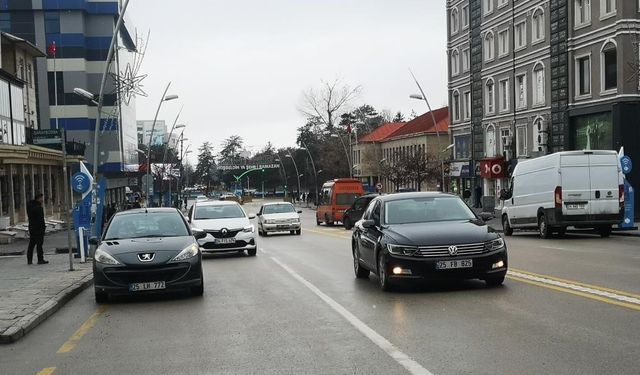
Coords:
292,232
298,232
506,227
101,297
383,276
198,291
605,231
347,223
543,227
252,253
318,222
361,272
494,280
328,222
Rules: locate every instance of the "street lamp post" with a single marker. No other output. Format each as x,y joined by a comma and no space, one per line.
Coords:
334,135
296,168
313,165
164,157
165,98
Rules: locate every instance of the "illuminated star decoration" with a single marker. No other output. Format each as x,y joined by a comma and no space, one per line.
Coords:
128,83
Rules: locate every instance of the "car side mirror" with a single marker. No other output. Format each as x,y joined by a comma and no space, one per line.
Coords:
252,216
368,223
300,211
198,233
93,241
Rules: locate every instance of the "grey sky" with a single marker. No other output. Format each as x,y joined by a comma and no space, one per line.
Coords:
240,67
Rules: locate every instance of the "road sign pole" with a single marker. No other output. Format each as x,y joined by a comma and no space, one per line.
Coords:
68,200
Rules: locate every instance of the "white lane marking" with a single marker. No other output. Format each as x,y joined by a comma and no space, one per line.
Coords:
404,360
552,247
578,288
262,250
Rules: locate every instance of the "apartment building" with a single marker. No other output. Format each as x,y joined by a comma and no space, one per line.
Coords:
530,77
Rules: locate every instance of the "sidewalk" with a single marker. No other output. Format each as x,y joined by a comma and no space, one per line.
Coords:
31,293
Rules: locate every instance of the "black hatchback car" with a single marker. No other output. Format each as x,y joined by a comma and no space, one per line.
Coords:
354,213
147,250
426,236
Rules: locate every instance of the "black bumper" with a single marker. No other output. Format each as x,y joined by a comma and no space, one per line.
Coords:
425,269
556,218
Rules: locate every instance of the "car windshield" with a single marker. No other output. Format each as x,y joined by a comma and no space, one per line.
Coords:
152,224
346,199
278,209
218,212
426,209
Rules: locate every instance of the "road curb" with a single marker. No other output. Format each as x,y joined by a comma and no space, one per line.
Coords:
26,323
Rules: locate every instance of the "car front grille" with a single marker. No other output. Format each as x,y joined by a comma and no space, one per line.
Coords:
229,234
125,276
443,250
213,246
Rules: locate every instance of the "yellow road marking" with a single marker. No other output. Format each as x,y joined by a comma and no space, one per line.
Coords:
84,328
627,294
577,293
46,371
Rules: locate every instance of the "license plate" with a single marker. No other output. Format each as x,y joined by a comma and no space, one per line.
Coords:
451,264
283,227
152,285
575,206
225,240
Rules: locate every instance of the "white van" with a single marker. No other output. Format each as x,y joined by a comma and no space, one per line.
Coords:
583,189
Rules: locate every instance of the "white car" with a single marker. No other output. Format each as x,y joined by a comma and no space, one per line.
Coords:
278,217
227,225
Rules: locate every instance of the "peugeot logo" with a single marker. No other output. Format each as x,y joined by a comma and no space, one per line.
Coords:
146,257
453,250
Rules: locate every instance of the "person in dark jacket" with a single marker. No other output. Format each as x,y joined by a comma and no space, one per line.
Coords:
37,227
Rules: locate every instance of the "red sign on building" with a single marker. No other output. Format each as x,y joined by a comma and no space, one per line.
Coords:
493,168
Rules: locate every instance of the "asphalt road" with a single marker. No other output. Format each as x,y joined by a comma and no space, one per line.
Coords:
570,306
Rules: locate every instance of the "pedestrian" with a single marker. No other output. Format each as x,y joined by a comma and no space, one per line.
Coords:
37,227
478,197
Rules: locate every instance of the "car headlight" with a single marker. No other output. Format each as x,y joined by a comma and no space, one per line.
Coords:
401,249
269,221
187,253
248,229
294,220
103,257
494,245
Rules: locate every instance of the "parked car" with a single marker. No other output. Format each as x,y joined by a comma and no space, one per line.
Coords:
278,217
583,189
354,213
228,228
147,250
426,236
336,196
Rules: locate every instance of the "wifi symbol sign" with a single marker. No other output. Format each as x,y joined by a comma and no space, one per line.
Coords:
80,183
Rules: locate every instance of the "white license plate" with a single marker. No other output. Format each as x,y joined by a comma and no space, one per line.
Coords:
152,285
282,226
225,240
451,264
575,206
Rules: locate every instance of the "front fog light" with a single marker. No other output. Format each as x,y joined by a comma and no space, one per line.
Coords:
500,264
401,271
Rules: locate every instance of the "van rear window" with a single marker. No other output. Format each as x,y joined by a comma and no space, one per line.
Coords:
346,199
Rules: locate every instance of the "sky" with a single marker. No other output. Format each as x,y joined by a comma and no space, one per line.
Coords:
241,67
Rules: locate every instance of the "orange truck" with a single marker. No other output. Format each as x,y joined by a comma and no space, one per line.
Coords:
337,196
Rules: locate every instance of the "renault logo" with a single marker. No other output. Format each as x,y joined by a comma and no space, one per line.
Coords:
453,250
224,231
146,257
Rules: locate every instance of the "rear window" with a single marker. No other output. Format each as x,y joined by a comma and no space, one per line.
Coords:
152,224
346,199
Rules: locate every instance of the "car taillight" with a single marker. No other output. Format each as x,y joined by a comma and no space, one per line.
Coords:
558,196
621,195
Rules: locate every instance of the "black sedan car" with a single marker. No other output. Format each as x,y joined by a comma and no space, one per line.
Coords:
147,250
426,236
354,213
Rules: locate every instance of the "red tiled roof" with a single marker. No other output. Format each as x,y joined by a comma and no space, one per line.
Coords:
381,132
424,123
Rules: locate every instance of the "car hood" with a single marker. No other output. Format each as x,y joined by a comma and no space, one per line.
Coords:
164,248
286,215
217,224
441,233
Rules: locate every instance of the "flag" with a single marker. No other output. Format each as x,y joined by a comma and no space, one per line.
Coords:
349,128
52,49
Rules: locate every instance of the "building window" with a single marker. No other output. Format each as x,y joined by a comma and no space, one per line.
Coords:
465,16
503,43
489,96
607,8
455,62
521,35
582,12
502,3
521,141
454,21
487,6
537,25
465,60
52,22
583,75
609,63
5,22
490,141
488,46
539,84
540,138
467,105
456,105
505,140
504,95
521,86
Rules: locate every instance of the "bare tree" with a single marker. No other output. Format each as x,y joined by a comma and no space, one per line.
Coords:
420,168
328,102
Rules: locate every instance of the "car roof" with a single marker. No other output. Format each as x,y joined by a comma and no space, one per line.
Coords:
217,203
412,195
372,195
149,210
276,203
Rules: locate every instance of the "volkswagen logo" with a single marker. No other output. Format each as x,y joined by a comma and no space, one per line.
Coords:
146,257
453,250
224,232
